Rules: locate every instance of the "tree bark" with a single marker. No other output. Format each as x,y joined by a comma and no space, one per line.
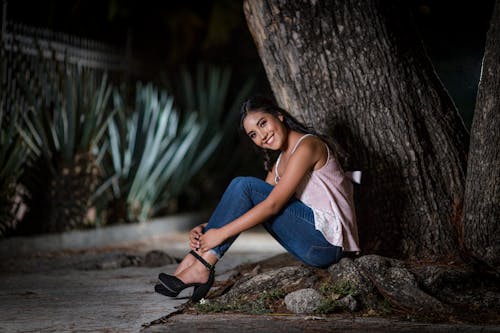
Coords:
355,70
482,193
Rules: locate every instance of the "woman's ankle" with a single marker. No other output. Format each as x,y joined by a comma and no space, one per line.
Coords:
198,272
185,263
210,258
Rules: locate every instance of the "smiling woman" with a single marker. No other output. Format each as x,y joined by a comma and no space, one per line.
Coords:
305,202
264,128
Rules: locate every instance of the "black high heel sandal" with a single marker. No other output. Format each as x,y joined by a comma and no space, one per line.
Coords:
173,285
160,289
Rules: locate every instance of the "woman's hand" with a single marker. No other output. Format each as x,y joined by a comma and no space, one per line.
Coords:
210,239
194,236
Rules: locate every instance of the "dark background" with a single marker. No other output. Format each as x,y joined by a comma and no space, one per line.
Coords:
166,34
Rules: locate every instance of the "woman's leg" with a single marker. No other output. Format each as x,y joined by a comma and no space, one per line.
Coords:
293,227
295,230
187,261
196,272
239,197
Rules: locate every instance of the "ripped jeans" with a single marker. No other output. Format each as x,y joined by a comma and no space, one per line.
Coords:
293,227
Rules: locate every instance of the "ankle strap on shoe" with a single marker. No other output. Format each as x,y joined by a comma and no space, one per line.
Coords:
203,261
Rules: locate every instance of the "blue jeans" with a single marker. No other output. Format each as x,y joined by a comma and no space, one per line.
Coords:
293,227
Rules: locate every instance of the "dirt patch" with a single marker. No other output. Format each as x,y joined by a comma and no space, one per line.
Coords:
188,323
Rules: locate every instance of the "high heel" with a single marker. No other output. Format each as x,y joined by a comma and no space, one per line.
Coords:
173,285
160,289
202,290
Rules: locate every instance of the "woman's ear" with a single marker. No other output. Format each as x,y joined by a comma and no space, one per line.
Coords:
280,117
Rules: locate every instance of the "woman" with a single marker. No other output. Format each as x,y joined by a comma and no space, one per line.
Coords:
305,202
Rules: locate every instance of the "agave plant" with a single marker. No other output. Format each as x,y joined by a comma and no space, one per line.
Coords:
146,147
205,97
64,124
155,150
207,94
13,151
13,154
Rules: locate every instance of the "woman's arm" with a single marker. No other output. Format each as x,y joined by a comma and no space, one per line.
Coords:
302,161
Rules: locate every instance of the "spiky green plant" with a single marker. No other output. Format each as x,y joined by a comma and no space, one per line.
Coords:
146,147
68,115
155,150
13,154
206,93
13,151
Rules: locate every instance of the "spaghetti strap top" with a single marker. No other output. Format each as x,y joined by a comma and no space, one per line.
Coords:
328,191
276,174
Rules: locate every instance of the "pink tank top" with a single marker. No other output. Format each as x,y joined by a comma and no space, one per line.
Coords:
329,193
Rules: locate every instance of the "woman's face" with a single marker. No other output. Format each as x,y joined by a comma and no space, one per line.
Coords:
265,130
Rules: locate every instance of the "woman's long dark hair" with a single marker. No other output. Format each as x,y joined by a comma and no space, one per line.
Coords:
266,105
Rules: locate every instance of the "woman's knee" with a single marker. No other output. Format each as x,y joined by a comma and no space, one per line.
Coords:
243,182
251,188
235,181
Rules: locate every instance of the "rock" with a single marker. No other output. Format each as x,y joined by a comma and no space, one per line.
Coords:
110,261
303,300
398,285
348,302
119,261
281,278
346,270
158,258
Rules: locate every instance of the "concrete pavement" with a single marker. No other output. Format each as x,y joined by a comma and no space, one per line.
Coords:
56,292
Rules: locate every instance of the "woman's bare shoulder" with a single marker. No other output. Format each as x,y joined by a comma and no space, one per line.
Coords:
318,153
315,144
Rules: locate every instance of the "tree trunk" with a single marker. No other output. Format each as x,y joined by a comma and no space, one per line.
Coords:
355,70
482,192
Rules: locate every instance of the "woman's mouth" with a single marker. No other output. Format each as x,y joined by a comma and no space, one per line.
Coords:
270,140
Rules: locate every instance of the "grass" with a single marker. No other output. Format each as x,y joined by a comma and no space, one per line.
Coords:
328,306
333,291
264,303
211,307
340,288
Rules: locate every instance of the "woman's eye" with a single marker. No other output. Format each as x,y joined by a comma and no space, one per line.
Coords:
252,136
263,123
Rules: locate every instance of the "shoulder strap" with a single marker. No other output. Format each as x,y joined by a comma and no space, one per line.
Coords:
299,141
276,174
